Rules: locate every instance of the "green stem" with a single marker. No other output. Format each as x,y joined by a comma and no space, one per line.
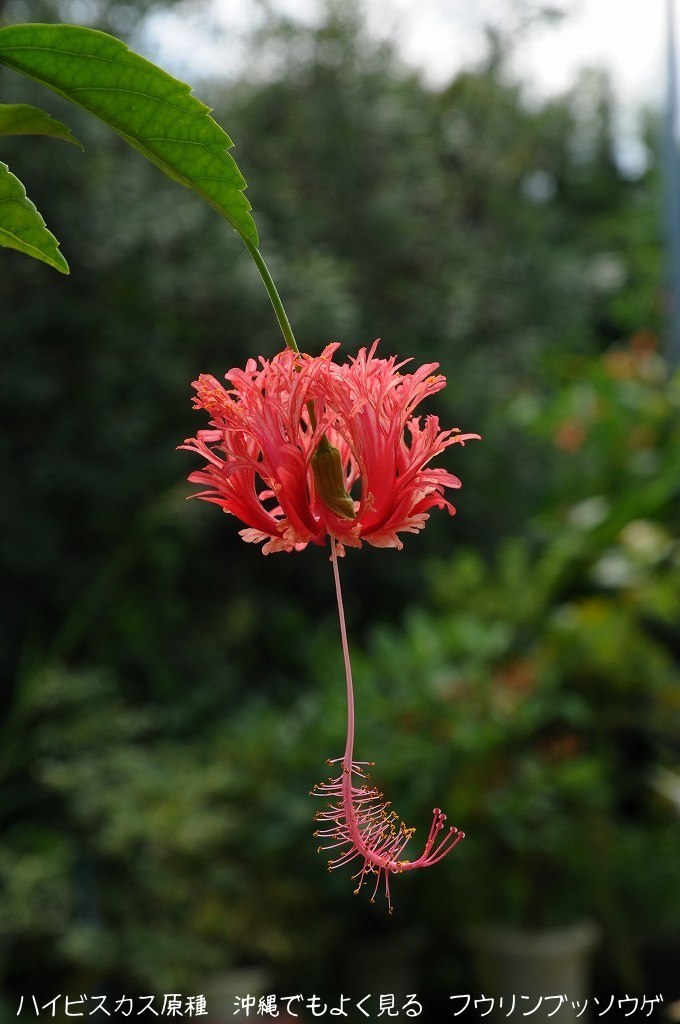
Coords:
284,322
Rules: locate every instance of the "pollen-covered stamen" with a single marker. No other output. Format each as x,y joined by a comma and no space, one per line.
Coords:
361,825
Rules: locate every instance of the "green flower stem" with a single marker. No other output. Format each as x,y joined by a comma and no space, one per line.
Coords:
284,322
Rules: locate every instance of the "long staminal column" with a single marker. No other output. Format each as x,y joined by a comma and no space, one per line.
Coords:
358,821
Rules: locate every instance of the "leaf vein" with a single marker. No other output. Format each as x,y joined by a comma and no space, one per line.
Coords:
152,70
133,92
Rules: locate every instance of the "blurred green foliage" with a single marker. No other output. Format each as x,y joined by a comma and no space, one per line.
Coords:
549,673
172,696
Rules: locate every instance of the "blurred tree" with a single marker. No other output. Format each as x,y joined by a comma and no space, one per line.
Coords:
121,17
460,224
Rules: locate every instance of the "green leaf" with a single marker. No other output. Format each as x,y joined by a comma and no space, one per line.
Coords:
22,119
22,227
154,112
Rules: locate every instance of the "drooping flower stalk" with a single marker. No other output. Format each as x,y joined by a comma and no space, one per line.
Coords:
359,823
326,462
273,293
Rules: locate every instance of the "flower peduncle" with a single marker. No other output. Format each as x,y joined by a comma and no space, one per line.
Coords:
272,292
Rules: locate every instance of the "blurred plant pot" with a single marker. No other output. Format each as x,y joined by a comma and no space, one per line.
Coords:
539,964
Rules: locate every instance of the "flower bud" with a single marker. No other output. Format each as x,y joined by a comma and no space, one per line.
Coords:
330,481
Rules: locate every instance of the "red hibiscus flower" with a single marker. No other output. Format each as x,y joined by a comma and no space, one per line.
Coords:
300,448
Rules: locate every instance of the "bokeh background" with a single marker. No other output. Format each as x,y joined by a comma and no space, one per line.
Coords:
170,696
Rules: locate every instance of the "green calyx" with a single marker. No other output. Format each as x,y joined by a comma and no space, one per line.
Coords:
329,479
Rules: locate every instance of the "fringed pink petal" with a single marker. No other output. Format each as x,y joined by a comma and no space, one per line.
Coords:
365,407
